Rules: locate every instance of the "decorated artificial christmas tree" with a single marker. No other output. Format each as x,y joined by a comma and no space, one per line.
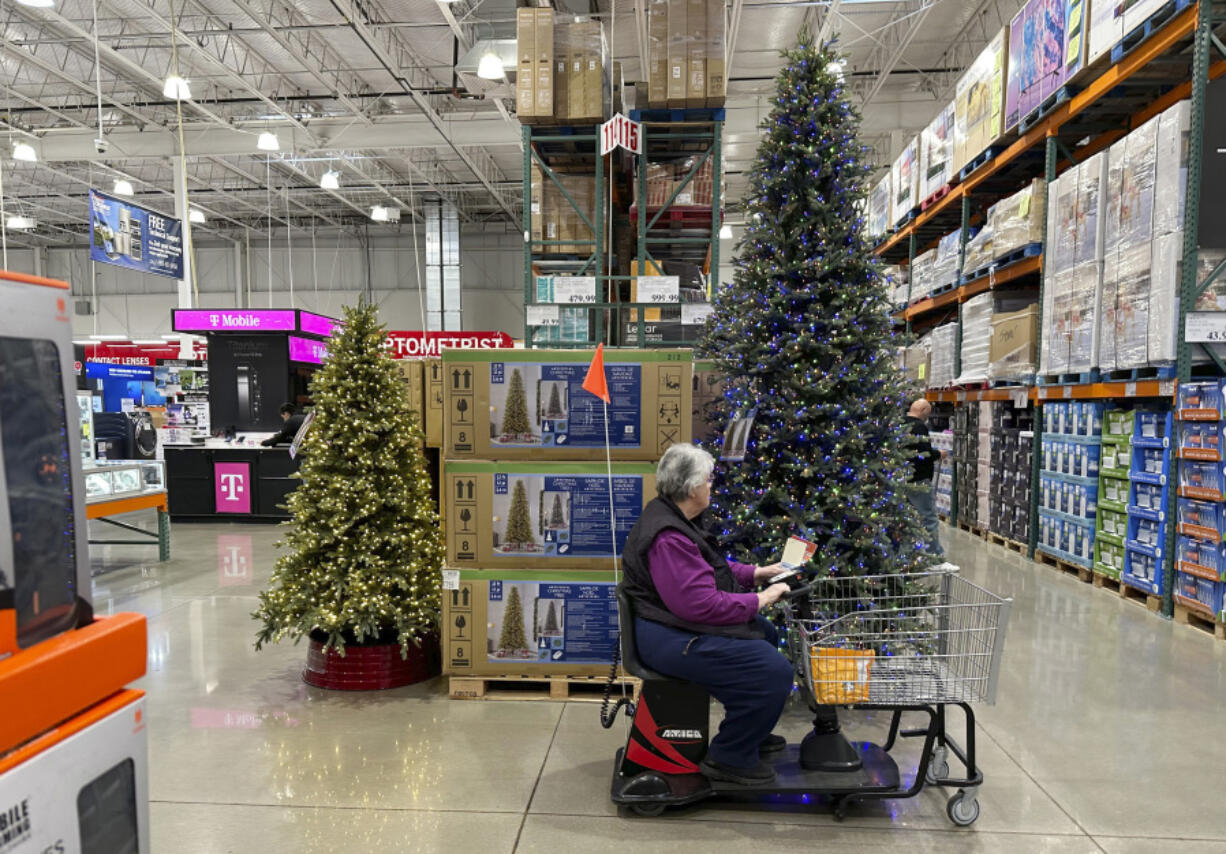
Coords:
515,424
556,517
519,521
363,553
551,620
555,402
512,638
803,335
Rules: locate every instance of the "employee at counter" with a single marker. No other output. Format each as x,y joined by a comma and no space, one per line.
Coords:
292,423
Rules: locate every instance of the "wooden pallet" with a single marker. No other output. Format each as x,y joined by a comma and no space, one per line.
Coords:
973,529
1144,598
589,689
1083,573
1198,619
1107,582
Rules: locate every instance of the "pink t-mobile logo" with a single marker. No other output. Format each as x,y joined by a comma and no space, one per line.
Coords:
231,483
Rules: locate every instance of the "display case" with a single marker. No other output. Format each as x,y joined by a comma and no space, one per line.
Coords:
85,417
109,479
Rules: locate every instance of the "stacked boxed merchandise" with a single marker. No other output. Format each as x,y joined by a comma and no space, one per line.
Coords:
666,184
896,282
943,443
1018,221
943,350
708,386
944,273
966,462
1071,453
555,219
904,183
922,274
1114,491
879,221
581,83
533,519
1145,541
1009,478
1013,343
1200,556
980,251
976,339
686,54
916,361
979,103
534,83
1043,43
937,153
988,449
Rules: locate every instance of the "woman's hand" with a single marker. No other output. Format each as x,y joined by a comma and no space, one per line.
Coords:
772,594
763,574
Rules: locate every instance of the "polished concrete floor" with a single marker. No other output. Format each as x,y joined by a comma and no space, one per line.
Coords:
1107,736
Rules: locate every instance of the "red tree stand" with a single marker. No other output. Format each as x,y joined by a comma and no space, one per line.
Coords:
371,667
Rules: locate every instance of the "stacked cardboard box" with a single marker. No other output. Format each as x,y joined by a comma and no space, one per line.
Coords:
943,442
1041,46
905,183
1012,436
943,347
937,153
555,218
708,386
979,102
966,462
562,72
1114,490
1068,485
527,499
879,221
1013,344
686,53
663,179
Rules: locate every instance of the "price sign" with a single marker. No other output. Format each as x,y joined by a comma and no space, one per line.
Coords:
1205,326
1019,398
961,397
1166,388
661,289
1068,391
574,290
1130,389
695,313
619,131
451,579
542,315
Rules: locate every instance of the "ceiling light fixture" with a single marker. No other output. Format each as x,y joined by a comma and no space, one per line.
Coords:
725,232
378,213
38,4
123,187
331,180
490,67
24,151
20,223
268,142
195,215
177,88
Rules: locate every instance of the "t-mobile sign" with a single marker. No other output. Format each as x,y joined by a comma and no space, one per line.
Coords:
232,487
316,324
222,320
307,350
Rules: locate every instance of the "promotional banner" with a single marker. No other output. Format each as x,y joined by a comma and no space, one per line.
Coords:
406,344
307,350
130,236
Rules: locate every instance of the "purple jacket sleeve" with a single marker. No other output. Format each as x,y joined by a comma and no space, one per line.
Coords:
687,584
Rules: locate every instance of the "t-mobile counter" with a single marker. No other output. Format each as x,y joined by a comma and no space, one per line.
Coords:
258,360
229,484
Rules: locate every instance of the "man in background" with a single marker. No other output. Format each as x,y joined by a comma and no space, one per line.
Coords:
921,490
289,429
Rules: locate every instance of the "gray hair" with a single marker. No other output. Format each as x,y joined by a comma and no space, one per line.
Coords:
682,469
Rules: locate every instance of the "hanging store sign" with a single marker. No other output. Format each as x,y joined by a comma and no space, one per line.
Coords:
415,343
223,320
133,237
307,350
621,132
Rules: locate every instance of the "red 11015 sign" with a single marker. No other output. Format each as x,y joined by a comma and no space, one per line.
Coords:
619,130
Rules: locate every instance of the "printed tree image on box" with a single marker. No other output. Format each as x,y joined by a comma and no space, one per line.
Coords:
570,621
544,405
555,516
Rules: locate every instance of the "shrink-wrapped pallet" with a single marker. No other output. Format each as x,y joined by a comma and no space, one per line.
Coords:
943,350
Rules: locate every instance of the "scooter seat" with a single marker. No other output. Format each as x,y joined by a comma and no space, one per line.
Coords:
630,655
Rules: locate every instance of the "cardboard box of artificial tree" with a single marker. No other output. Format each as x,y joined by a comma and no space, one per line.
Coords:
708,387
433,390
539,515
529,623
412,370
525,85
530,404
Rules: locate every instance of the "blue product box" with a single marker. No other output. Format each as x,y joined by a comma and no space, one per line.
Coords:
1149,497
1049,454
1144,569
1083,500
1201,437
1201,591
1201,476
1151,425
1202,396
1202,553
1147,533
1092,417
1203,514
1150,461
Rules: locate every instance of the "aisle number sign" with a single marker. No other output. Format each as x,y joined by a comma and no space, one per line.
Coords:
620,131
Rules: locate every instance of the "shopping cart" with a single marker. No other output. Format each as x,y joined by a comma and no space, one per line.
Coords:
904,643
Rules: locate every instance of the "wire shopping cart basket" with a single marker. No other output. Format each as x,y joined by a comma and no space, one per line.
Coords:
905,642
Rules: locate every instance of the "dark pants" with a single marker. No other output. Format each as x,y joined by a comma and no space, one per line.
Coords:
750,678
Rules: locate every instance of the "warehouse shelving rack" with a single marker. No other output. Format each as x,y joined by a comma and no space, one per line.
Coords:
1176,62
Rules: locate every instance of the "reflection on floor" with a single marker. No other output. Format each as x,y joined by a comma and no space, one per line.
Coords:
1104,737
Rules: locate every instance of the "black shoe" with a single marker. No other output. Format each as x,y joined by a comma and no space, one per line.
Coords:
772,744
759,775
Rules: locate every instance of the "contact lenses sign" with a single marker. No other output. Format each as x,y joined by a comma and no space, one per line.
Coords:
134,237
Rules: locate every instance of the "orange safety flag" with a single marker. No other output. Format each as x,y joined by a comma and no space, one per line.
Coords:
595,381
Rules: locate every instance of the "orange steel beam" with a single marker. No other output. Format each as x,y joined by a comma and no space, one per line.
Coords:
155,500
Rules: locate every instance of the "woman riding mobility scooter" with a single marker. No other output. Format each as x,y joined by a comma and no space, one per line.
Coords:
913,643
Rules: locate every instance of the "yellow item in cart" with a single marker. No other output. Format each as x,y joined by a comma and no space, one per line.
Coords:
840,676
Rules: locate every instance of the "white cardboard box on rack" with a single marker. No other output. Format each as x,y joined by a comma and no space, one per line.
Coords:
937,152
904,182
1174,133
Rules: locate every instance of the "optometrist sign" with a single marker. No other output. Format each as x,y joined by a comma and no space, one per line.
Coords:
130,236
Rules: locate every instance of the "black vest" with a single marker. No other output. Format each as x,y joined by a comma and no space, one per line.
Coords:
660,515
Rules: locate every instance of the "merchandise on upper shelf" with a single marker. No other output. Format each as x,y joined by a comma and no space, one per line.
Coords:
562,73
686,62
554,218
945,264
666,178
923,274
1018,220
1041,44
879,220
895,279
979,102
904,182
943,342
1013,344
937,153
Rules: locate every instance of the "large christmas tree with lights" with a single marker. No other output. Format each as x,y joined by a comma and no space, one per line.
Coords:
363,553
803,335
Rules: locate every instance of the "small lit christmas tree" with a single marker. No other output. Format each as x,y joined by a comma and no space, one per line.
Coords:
513,638
803,335
518,535
515,424
363,554
551,620
555,402
556,518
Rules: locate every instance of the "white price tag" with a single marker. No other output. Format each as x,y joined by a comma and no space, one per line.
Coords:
542,315
961,397
1068,392
451,579
695,313
1166,388
1205,326
574,290
660,289
1019,398
1130,389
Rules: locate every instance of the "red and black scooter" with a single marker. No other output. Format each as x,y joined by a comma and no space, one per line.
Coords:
658,767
